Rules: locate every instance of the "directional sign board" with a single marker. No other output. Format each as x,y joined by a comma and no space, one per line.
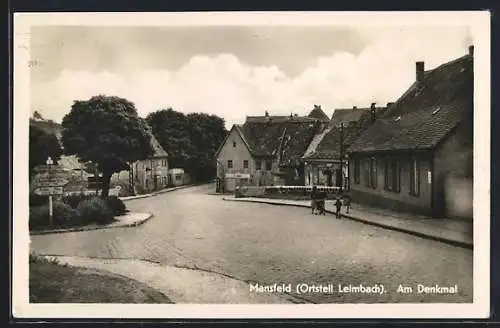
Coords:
49,191
53,169
57,182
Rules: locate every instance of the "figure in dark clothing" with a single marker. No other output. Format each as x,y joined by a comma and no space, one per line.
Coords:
313,199
338,206
347,203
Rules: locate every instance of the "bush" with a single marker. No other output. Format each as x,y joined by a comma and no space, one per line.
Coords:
95,210
37,200
63,215
116,205
74,200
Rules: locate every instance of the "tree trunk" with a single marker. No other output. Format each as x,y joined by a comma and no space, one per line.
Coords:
106,178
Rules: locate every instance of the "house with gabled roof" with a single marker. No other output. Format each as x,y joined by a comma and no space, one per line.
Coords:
322,158
415,156
266,150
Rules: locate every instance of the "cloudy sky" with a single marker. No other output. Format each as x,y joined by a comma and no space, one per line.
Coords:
233,71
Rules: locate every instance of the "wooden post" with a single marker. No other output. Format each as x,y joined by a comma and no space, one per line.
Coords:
51,210
341,156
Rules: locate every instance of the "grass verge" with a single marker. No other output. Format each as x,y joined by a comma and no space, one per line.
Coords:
51,282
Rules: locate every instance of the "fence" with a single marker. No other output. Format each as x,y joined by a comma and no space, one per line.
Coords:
273,191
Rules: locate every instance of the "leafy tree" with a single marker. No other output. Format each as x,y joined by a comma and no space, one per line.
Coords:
107,131
207,133
190,140
171,129
41,146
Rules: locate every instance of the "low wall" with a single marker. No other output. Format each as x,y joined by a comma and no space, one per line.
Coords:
294,192
459,197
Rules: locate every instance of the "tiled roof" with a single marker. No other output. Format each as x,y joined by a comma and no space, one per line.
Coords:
286,140
347,115
355,122
421,129
158,149
318,113
329,146
410,123
446,84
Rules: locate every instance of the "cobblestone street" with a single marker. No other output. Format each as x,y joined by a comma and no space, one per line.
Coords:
275,244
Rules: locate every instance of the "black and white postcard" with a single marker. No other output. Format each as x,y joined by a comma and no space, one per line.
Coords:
251,165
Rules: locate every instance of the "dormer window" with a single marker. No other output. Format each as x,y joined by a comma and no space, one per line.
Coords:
234,143
436,110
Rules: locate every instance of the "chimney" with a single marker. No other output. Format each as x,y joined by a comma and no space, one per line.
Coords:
373,112
267,113
354,107
471,50
420,70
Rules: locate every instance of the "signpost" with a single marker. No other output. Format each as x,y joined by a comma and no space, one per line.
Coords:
50,184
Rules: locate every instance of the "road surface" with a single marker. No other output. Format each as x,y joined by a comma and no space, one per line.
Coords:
276,244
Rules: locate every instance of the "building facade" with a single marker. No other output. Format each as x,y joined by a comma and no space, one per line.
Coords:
265,151
325,160
418,157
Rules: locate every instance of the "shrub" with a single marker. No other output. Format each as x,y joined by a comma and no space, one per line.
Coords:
37,200
74,200
116,205
95,210
63,215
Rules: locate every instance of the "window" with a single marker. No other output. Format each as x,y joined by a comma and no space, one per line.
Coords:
269,165
367,173
245,164
178,177
258,165
392,175
415,178
357,170
234,143
229,164
373,172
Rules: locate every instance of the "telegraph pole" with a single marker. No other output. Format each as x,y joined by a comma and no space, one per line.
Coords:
341,156
49,163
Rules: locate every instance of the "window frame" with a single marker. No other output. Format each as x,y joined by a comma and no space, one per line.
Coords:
269,165
258,165
415,177
245,164
392,175
229,163
234,144
373,172
357,170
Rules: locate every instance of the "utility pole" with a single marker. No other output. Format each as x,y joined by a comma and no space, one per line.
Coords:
341,156
50,162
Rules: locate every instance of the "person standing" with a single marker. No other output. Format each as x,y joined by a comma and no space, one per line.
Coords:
338,206
313,199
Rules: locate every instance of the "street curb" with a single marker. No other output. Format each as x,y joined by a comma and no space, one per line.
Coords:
377,224
80,229
124,199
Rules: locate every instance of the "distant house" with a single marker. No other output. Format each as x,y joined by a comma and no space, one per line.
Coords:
418,156
152,173
266,150
322,158
177,177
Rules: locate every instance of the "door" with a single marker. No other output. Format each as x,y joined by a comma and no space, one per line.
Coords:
230,184
338,178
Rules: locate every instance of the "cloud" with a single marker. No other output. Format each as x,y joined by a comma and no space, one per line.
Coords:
224,85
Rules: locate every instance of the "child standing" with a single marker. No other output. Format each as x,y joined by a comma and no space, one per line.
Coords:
338,206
